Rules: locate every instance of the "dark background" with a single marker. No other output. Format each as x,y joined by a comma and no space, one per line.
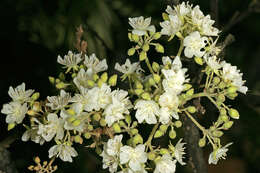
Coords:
33,33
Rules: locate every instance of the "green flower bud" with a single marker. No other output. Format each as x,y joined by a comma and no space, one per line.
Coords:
221,98
199,60
192,109
178,124
233,113
131,51
104,77
172,134
96,116
135,123
232,90
90,83
155,66
135,38
11,126
228,125
224,118
232,96
52,80
142,56
71,119
139,91
216,80
71,112
159,48
138,85
163,128
157,35
134,131
60,85
87,135
190,92
151,81
130,36
138,139
78,139
202,142
222,85
102,122
164,151
57,81
187,87
73,75
100,83
76,123
35,96
122,124
37,160
223,111
90,127
165,16
116,128
217,133
112,80
146,47
128,119
158,134
157,97
95,77
146,96
98,150
151,155
157,78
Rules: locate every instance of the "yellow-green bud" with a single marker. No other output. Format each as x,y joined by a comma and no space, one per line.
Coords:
71,119
178,124
135,37
151,81
102,122
217,133
76,123
51,79
221,98
187,87
224,118
151,155
112,80
146,47
159,48
155,66
116,128
60,85
138,139
138,85
57,81
157,78
223,111
164,151
87,135
202,142
90,83
11,126
221,85
190,92
228,124
95,77
96,116
130,36
163,127
146,96
31,112
122,124
157,97
35,96
142,56
216,80
157,35
73,75
128,119
131,51
78,139
134,131
90,127
98,150
165,16
172,134
199,60
192,109
36,106
135,123
139,91
233,113
232,96
158,134
232,90
104,77
100,83
71,112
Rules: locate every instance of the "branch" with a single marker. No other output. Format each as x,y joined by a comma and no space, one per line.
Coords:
214,11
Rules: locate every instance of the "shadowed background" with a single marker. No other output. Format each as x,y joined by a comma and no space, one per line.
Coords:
33,33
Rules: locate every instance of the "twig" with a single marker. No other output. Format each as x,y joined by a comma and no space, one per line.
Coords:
214,11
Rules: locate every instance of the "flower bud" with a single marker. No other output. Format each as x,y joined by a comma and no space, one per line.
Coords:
187,87
172,134
157,35
216,80
128,119
157,97
178,124
163,128
90,127
165,16
104,77
11,126
87,135
221,85
60,85
199,60
202,142
217,133
31,112
90,83
95,77
233,113
100,83
76,123
135,38
71,119
73,75
116,128
35,96
224,118
151,155
139,91
130,36
155,66
96,116
146,96
98,150
192,109
112,80
159,48
142,56
51,79
223,111
151,81
37,160
221,98
36,106
138,139
228,125
135,123
71,112
131,51
164,151
102,122
158,134
157,78
232,90
190,92
134,131
138,85
232,96
78,139
146,47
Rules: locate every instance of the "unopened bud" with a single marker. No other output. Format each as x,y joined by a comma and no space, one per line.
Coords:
135,37
90,127
51,79
95,77
142,56
158,134
90,83
151,81
146,47
112,80
87,135
104,77
165,16
128,119
224,118
164,151
190,92
228,125
202,142
100,83
232,90
78,139
233,113
116,128
60,85
221,85
96,116
163,128
156,78
71,112
71,119
178,124
146,96
199,60
151,155
130,36
102,122
216,80
172,134
192,109
134,131
221,98
155,66
138,139
76,123
159,48
187,87
37,160
157,35
11,126
35,96
31,112
217,133
36,106
139,91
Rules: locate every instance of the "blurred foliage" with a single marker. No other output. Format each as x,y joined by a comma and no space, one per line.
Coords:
35,32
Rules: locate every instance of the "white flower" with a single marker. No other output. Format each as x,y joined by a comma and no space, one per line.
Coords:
179,152
70,61
81,80
128,68
19,93
165,115
220,153
94,65
33,135
147,110
193,44
128,170
103,96
165,164
213,62
172,26
141,25
169,100
197,16
135,156
232,74
119,106
54,127
207,28
15,112
63,151
58,102
113,145
110,162
181,10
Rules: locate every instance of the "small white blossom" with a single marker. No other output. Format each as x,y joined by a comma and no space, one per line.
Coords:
113,145
81,80
32,134
179,152
103,96
94,65
172,26
197,16
181,10
59,102
147,110
141,25
220,153
109,162
193,44
232,74
213,62
70,61
19,94
128,68
165,164
135,156
15,112
165,115
207,28
53,128
63,151
128,170
169,100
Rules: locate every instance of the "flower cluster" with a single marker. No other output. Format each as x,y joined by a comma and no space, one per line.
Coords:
90,107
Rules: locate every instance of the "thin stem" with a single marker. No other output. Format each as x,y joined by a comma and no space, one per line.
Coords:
196,122
149,65
150,138
180,49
